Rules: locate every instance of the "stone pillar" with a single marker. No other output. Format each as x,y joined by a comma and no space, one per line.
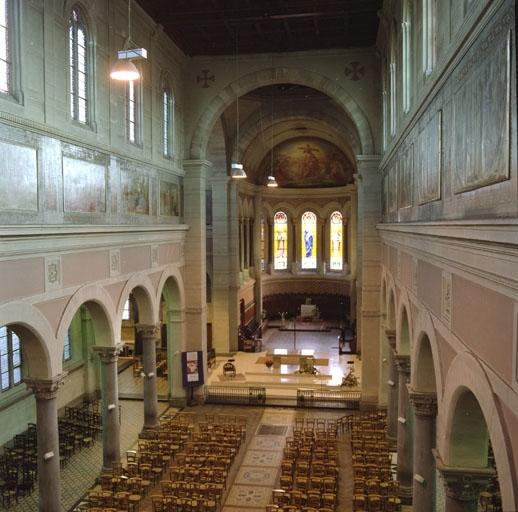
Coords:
404,431
463,485
321,247
175,325
246,247
226,263
271,246
150,335
49,483
294,246
368,279
195,269
392,395
110,404
425,412
258,288
241,244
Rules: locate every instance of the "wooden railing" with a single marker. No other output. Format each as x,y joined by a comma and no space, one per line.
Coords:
235,395
332,399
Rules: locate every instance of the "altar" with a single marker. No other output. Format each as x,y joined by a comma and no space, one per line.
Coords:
308,311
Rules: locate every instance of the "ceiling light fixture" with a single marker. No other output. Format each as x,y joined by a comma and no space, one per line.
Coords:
237,170
124,70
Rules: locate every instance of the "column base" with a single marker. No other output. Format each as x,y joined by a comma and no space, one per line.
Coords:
178,401
405,493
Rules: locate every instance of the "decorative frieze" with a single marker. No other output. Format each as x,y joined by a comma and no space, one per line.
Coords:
53,276
115,262
446,302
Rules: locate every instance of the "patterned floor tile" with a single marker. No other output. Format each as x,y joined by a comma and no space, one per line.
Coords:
239,509
248,496
249,475
268,443
260,458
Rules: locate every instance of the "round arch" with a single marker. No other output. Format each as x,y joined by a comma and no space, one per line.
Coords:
404,324
171,286
101,309
424,357
144,294
467,384
269,76
36,336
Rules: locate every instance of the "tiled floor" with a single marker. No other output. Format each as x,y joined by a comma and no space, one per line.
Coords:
81,470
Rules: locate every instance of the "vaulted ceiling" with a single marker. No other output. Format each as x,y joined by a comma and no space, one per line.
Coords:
209,27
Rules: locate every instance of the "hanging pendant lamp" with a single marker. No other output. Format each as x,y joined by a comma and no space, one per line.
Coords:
124,70
237,170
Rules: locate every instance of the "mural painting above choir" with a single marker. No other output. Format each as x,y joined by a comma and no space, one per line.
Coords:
304,162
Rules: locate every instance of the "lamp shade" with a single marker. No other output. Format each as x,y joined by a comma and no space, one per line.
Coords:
237,171
271,182
125,70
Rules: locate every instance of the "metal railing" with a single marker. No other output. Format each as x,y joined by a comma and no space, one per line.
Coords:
235,395
331,399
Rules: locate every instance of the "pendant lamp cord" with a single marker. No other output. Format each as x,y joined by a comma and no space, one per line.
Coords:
237,96
129,25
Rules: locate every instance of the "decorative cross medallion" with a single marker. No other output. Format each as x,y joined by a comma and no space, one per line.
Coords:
355,71
205,78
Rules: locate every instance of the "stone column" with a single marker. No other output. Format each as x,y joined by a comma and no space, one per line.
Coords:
175,326
271,246
463,485
195,269
110,404
321,247
241,244
425,412
246,236
368,279
392,383
258,288
404,431
226,263
49,483
150,335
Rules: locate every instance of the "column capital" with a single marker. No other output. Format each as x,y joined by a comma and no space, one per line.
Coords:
108,354
425,404
149,331
463,484
45,389
391,337
402,363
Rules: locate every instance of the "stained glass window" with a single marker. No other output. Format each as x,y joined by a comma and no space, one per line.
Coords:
78,39
10,359
336,237
280,241
309,241
126,312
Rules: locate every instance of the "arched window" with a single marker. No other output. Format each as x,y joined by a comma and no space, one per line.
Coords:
5,54
167,120
309,241
393,81
428,7
78,41
406,27
10,358
126,312
280,241
67,348
336,237
133,112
